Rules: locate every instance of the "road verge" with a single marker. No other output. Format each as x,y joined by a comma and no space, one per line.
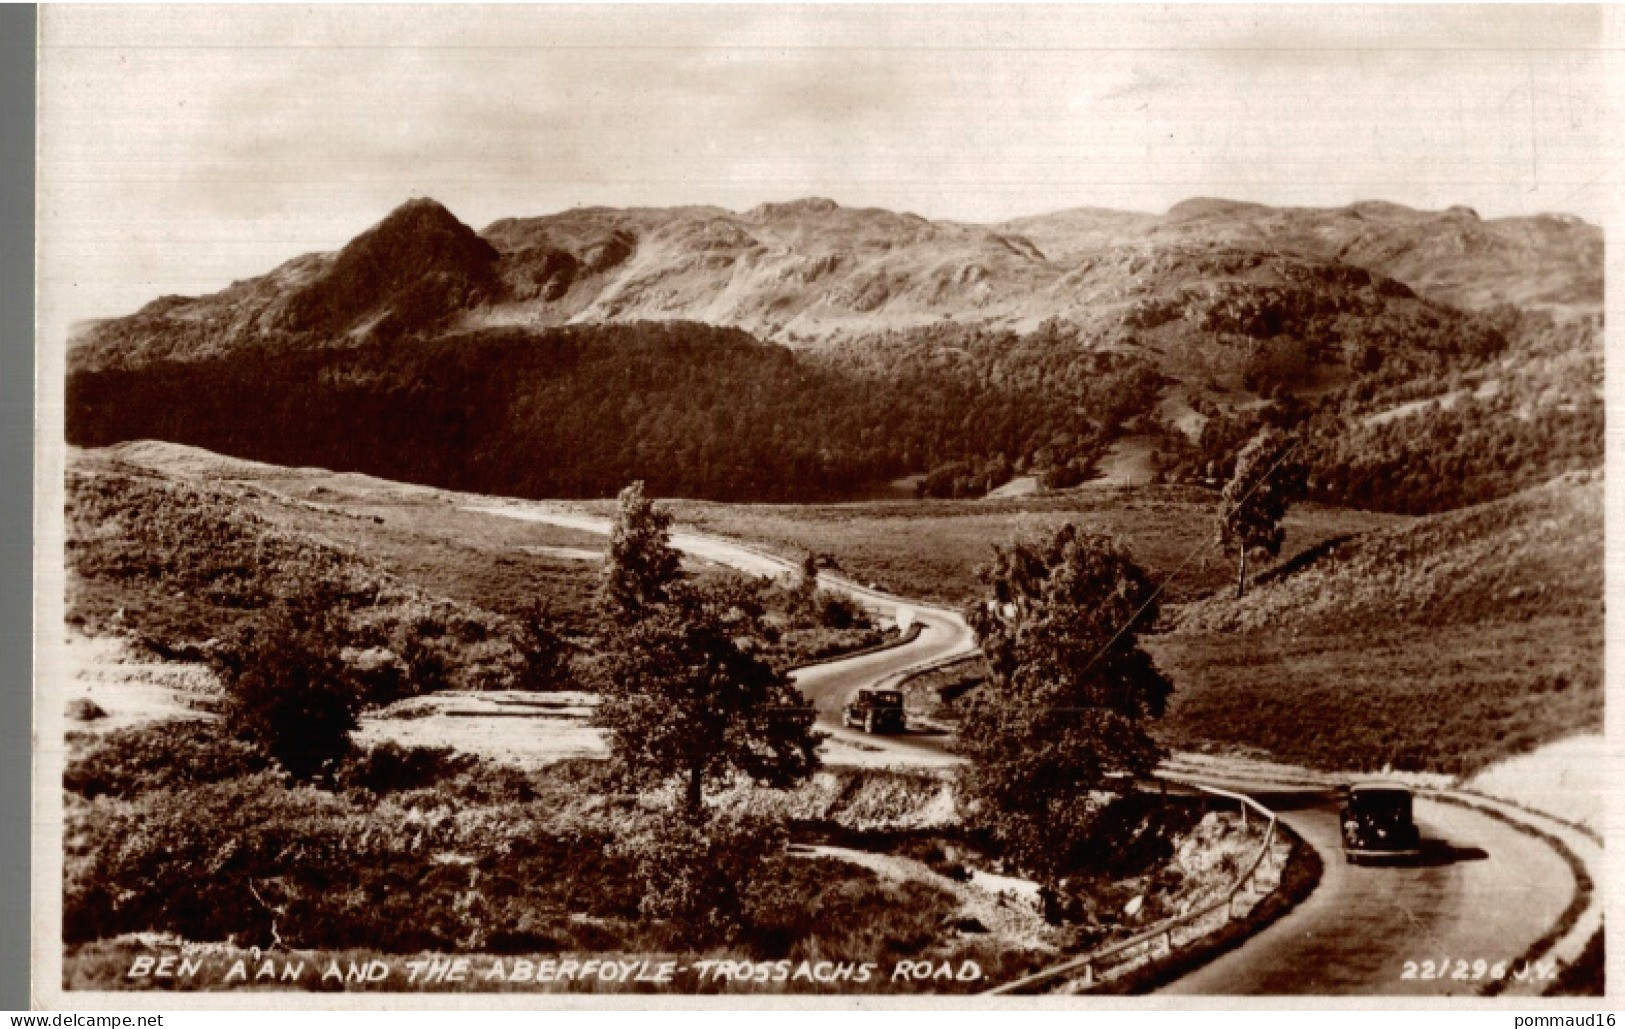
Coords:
1175,945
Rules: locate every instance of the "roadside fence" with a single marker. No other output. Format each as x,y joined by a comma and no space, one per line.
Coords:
1260,878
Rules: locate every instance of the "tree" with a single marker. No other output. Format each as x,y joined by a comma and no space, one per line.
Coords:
1058,731
289,691
686,690
546,654
804,588
642,565
1266,480
688,695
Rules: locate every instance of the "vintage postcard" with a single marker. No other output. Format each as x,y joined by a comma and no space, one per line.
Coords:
834,506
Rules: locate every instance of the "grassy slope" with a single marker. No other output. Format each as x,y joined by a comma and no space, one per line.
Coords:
420,538
1442,645
931,549
414,534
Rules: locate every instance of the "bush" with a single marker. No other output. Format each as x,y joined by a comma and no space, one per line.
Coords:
695,874
799,908
288,689
129,762
83,709
426,777
838,611
205,862
392,768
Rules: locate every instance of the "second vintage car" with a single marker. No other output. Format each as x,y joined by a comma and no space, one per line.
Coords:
1377,823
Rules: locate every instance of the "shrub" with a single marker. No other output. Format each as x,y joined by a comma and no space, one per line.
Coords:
545,654
391,768
799,907
695,874
838,611
288,689
129,762
83,709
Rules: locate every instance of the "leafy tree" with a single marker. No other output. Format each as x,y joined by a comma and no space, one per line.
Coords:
1058,730
289,691
1254,501
687,692
642,564
688,695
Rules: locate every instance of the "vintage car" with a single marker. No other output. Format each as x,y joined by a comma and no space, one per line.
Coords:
875,710
1377,823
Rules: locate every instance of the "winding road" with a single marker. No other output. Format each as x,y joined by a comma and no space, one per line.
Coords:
943,636
1482,891
1487,889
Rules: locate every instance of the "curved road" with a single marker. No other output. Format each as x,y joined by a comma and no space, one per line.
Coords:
943,636
1485,890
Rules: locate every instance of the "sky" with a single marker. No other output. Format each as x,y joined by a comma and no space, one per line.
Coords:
183,147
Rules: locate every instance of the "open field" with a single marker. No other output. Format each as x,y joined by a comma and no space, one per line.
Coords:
931,549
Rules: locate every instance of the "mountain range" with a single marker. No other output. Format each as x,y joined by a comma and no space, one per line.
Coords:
810,271
806,350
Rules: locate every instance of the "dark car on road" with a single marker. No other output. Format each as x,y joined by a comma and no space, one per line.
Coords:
1378,824
875,710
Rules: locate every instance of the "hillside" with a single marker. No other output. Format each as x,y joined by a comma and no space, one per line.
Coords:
1444,643
178,563
580,411
177,548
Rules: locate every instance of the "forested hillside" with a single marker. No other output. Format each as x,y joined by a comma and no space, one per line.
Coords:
580,411
1419,439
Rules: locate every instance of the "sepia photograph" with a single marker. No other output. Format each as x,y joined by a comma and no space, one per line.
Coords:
1008,506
